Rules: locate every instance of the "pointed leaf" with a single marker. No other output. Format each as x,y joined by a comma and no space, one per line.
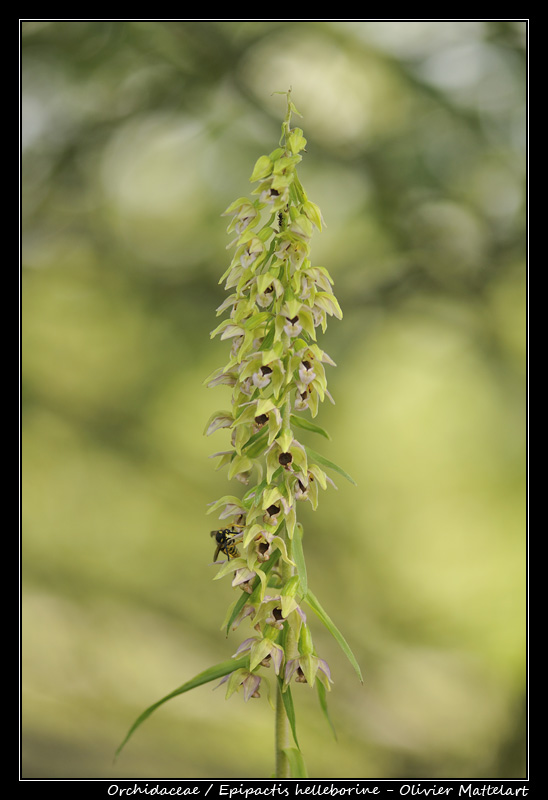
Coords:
325,462
306,425
256,320
255,444
210,674
314,604
268,340
240,603
322,698
221,326
296,762
289,708
298,557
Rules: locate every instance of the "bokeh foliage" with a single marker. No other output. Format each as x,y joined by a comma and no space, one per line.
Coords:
136,135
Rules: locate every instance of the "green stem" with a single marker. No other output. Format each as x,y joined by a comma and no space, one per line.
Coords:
281,737
286,416
282,731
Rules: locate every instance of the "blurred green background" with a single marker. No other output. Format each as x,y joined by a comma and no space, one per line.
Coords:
136,135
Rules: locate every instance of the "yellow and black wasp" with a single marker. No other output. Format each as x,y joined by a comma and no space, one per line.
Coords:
226,539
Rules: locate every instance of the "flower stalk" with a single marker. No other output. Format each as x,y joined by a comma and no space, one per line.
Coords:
277,303
278,300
